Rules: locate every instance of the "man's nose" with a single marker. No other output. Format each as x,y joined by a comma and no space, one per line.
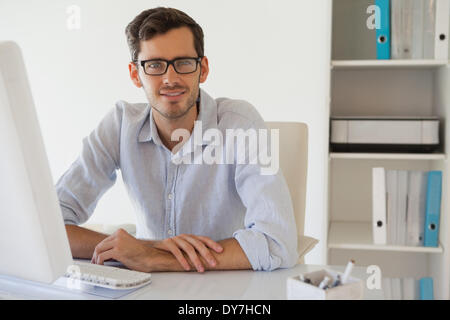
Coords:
171,76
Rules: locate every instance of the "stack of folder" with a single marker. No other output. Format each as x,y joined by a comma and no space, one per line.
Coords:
408,288
412,29
406,207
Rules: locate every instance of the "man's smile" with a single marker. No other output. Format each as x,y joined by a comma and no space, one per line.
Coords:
173,95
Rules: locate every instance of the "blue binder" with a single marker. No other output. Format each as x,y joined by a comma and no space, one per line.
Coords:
426,289
384,32
433,208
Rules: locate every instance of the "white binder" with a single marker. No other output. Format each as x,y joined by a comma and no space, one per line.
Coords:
379,206
407,19
416,208
391,188
441,31
401,29
402,190
397,288
386,284
417,29
429,24
410,289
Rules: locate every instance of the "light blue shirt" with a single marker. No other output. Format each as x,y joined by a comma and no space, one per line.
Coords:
219,201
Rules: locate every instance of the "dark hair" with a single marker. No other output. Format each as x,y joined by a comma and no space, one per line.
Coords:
160,20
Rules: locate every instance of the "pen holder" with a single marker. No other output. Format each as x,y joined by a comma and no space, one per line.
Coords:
353,289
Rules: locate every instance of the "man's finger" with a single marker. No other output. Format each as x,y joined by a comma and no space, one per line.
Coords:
178,254
106,255
211,243
201,248
189,249
106,244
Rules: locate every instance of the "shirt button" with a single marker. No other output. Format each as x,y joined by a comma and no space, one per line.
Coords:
169,232
170,196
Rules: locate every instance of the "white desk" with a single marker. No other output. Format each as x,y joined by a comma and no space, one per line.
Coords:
211,285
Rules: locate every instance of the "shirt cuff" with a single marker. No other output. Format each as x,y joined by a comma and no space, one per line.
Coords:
254,244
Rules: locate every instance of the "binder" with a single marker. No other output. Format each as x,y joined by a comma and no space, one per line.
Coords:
426,288
391,188
417,29
397,288
409,289
386,284
401,29
433,208
429,24
402,189
383,34
407,29
415,216
441,30
379,206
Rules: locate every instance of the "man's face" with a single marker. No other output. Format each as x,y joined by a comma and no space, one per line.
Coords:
172,94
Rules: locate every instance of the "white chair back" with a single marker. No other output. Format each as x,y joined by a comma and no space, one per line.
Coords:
294,165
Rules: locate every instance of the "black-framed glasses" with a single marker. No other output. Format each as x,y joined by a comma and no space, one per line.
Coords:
158,67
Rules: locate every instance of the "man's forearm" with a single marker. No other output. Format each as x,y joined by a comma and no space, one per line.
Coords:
83,241
231,258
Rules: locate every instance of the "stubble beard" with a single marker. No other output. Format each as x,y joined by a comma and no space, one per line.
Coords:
191,101
180,112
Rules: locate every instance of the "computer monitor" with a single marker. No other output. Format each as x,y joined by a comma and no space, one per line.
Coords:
33,239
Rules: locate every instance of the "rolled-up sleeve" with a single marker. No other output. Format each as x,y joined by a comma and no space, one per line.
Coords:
94,171
269,238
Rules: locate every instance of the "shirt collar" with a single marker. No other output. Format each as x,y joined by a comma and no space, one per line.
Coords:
207,115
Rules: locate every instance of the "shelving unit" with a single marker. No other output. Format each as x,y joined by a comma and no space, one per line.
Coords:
364,86
388,156
354,64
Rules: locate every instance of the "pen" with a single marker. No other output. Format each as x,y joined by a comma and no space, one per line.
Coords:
347,271
324,282
336,282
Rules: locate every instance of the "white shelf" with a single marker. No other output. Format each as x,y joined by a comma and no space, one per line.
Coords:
388,156
364,64
358,236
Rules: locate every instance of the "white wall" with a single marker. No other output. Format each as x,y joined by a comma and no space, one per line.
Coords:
77,75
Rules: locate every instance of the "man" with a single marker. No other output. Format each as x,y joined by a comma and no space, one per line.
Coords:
190,216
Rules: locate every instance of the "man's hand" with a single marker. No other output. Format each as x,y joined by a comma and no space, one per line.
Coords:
123,247
144,256
192,245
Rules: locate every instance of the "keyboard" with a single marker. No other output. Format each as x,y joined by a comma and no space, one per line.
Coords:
106,276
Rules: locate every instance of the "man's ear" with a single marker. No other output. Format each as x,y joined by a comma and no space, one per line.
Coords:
134,74
204,69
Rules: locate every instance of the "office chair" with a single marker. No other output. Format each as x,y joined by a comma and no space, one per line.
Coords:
294,166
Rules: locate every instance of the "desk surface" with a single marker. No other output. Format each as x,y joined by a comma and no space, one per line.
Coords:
211,285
